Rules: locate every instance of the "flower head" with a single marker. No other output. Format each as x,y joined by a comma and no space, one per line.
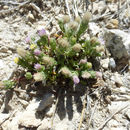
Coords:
77,47
65,71
73,25
66,19
37,66
49,61
40,76
94,40
63,42
41,32
75,79
33,46
16,60
37,52
22,52
100,48
86,75
87,16
28,39
78,19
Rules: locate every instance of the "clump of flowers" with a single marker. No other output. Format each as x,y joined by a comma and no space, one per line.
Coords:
68,56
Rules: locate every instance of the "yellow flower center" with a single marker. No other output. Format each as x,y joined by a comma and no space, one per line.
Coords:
16,60
33,46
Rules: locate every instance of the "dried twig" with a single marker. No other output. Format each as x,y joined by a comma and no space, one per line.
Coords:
67,6
16,8
75,8
10,2
37,9
92,114
82,114
55,108
109,118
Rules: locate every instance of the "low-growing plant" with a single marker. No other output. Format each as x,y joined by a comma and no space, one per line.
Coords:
53,59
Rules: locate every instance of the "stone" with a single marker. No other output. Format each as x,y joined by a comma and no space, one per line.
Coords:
105,63
127,113
6,7
118,43
112,24
46,101
112,63
45,125
118,79
3,117
3,49
94,29
28,119
30,17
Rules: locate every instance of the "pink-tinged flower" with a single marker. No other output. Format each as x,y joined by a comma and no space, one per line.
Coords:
41,32
76,79
37,66
83,61
37,52
98,74
28,39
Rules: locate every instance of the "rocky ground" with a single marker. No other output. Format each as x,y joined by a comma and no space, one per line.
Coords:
104,106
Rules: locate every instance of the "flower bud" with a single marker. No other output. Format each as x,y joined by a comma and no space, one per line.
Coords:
66,19
88,65
77,47
63,42
40,76
87,16
65,71
73,39
22,52
100,49
93,40
73,25
78,19
86,75
49,61
28,75
75,79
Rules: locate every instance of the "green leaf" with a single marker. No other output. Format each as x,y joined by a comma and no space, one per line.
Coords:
82,29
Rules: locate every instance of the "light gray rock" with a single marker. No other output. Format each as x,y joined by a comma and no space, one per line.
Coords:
28,119
3,117
105,63
118,79
46,125
112,63
47,101
30,17
118,43
127,113
94,29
